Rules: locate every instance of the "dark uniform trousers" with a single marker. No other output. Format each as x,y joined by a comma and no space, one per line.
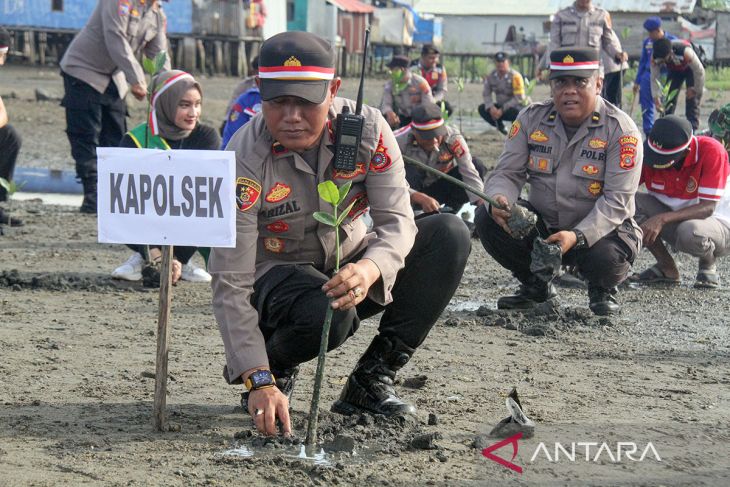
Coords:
605,264
292,306
10,142
509,115
93,120
445,192
612,90
691,107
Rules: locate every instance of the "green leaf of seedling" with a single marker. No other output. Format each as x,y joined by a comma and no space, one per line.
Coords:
345,212
148,65
625,32
5,184
344,189
325,218
160,60
328,191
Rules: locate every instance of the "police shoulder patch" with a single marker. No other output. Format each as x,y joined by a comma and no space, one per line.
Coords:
514,130
627,151
457,148
247,193
381,160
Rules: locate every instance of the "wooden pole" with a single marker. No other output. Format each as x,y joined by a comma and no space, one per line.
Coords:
163,335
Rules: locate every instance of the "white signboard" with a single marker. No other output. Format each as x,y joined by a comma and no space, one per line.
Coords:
167,197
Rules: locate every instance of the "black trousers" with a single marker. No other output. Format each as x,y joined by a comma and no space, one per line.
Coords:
10,143
509,115
612,89
292,306
691,107
93,120
181,253
443,191
605,264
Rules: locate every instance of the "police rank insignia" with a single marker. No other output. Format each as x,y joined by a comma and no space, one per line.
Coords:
595,188
539,136
514,129
691,185
247,193
381,159
596,143
273,244
278,192
278,226
359,169
590,169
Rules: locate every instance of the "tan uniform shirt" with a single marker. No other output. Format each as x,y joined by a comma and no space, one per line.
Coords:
585,183
435,77
107,46
508,89
609,62
453,152
277,195
242,87
416,92
571,28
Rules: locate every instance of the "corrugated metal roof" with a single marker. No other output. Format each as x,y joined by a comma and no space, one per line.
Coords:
544,7
352,6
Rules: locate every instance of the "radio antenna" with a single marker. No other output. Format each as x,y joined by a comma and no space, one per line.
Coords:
358,106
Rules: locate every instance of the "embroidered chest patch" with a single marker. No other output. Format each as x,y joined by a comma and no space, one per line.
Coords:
278,192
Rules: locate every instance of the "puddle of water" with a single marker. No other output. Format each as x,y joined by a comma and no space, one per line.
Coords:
464,305
314,455
242,451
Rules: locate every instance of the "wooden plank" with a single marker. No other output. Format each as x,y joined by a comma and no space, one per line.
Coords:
163,337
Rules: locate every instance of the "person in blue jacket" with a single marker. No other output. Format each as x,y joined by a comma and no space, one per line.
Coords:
246,106
643,76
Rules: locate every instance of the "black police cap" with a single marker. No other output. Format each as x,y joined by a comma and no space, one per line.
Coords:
581,62
399,62
428,121
501,56
669,138
297,64
429,49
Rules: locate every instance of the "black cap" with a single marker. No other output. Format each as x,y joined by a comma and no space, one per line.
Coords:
428,121
501,56
429,49
399,62
297,64
667,141
661,47
4,38
581,62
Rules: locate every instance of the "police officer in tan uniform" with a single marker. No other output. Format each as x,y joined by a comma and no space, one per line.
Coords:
582,159
96,68
429,140
271,292
404,91
508,88
584,25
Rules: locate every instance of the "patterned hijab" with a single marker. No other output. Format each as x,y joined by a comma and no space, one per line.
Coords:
170,87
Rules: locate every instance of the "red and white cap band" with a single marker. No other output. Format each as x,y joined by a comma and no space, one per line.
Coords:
582,66
303,73
154,127
669,152
430,125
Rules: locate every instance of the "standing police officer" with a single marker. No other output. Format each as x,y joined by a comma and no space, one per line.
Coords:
508,87
98,65
582,158
271,292
429,140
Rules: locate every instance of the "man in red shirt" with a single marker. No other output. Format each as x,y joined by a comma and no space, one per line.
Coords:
685,178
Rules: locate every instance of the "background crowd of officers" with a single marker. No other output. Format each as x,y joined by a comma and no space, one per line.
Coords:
579,152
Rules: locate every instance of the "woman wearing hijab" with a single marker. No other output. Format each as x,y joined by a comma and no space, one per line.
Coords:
174,123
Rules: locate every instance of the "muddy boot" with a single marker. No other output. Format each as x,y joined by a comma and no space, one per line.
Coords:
285,380
89,203
370,386
603,300
530,294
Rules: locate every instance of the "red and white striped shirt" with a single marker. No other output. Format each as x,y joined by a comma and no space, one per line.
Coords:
703,176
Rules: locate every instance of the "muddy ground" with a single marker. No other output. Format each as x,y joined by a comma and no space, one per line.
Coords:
77,355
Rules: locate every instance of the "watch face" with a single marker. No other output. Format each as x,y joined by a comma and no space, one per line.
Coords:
261,378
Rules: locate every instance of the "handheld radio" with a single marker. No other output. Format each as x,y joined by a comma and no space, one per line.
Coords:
349,126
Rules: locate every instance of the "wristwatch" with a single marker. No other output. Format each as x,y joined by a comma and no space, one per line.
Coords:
581,242
260,379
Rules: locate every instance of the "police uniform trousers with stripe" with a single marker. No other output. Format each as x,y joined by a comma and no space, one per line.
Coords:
292,306
605,264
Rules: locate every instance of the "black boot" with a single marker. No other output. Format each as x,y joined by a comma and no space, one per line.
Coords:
89,203
500,126
531,293
370,386
285,380
603,300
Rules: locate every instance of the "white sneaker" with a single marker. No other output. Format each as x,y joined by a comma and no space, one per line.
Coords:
194,274
131,270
